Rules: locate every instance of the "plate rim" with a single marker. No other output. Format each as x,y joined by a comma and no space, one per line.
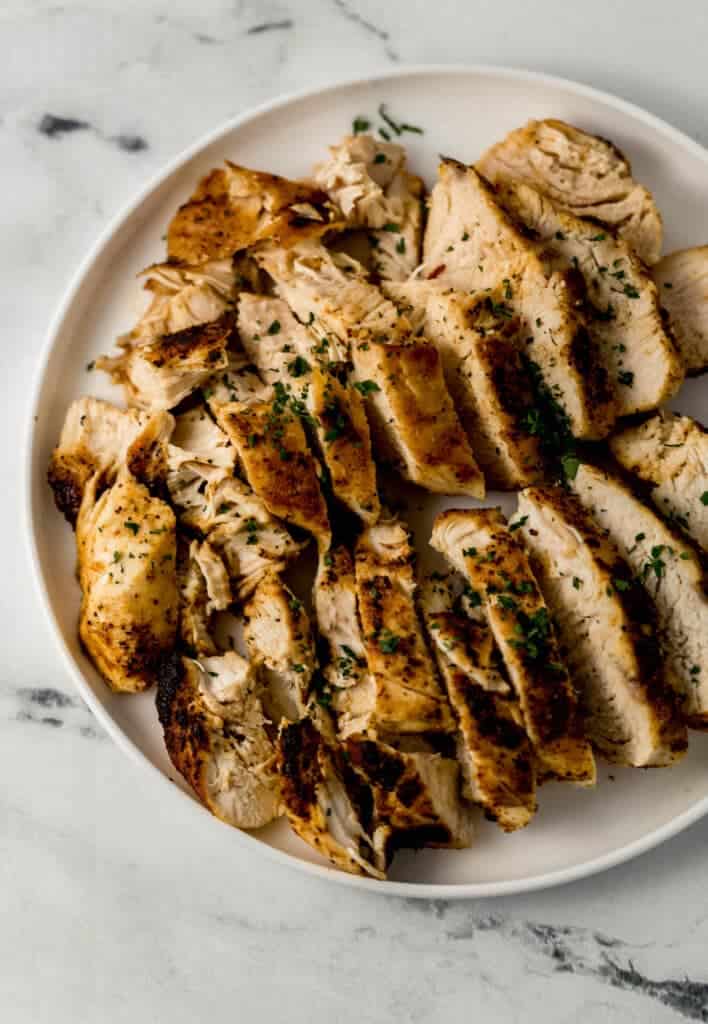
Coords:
249,842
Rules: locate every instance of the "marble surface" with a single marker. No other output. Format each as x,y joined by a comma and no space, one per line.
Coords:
111,909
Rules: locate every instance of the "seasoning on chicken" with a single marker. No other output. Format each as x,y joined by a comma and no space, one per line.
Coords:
126,566
682,280
672,574
607,629
480,545
288,356
670,452
582,173
401,692
481,352
621,300
95,439
368,181
204,589
279,639
470,244
216,736
234,208
337,612
492,747
327,803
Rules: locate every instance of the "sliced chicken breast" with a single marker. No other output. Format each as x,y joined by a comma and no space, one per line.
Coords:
493,749
470,245
416,794
197,434
367,179
622,309
279,638
337,611
204,588
327,804
480,545
215,733
233,208
276,460
126,566
161,373
672,575
607,629
95,439
670,452
583,173
682,280
413,420
480,350
404,694
283,350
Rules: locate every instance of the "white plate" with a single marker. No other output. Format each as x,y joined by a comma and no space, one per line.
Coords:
463,110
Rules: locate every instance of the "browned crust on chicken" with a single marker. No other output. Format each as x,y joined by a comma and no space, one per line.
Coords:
273,451
233,208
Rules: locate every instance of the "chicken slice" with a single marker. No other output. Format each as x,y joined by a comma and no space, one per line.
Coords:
182,297
622,308
126,566
682,280
337,613
367,179
672,575
160,373
215,734
480,545
402,693
670,452
233,208
606,625
284,350
275,458
470,244
204,588
412,416
417,795
95,439
279,638
326,802
480,351
583,173
196,433
493,748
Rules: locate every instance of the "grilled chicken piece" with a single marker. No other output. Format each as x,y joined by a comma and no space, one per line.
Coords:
273,452
417,795
584,174
95,439
215,734
480,545
402,694
367,179
682,280
285,352
279,638
622,309
126,566
204,588
470,244
412,416
160,373
672,575
233,208
337,612
327,803
182,297
493,748
481,357
670,452
607,630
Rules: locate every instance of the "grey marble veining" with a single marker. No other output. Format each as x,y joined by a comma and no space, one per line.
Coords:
113,907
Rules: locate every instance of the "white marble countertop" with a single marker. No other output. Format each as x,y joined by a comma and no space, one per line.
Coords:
110,909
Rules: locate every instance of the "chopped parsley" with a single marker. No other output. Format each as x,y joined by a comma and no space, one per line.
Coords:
274,327
388,641
391,226
472,596
117,556
401,245
631,292
90,366
621,585
366,387
626,377
298,367
518,524
704,498
380,158
131,525
570,465
533,633
469,552
577,582
656,564
360,124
